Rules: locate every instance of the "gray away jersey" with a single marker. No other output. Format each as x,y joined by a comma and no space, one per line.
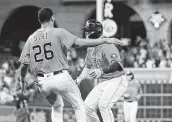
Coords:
102,56
46,50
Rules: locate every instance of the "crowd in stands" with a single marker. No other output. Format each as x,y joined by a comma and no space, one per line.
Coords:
145,55
141,54
10,87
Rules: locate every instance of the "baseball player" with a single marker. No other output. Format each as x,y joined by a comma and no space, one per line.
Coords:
22,111
103,63
45,53
131,97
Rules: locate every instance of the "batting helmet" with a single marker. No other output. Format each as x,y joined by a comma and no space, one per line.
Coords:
93,29
130,73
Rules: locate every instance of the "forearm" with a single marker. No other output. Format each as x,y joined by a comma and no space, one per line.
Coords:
115,66
84,73
23,70
89,42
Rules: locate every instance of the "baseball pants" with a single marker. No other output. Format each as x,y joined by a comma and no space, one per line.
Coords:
104,96
130,111
56,87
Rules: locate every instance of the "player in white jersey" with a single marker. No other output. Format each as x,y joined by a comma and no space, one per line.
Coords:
45,53
131,98
103,63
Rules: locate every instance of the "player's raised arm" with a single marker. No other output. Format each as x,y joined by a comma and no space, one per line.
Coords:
94,42
93,31
70,40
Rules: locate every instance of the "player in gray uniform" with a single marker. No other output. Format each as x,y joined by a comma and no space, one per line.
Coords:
45,53
103,63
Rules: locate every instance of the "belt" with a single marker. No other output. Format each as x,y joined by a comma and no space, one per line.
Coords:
130,101
54,73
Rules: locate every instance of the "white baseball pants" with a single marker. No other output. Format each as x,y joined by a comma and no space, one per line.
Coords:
130,111
104,96
54,87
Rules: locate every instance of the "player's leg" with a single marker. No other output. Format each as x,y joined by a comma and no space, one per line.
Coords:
53,98
111,94
92,101
73,96
20,115
57,104
126,111
133,111
57,110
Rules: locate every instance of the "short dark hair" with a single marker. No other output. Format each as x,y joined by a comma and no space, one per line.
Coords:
44,15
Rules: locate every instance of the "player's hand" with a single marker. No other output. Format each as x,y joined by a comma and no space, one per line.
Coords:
114,41
78,80
126,96
96,73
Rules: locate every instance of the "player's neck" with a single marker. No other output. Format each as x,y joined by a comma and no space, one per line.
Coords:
46,25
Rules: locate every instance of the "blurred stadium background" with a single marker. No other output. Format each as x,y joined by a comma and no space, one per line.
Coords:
145,26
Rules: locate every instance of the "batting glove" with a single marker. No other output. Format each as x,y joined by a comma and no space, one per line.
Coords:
96,73
78,80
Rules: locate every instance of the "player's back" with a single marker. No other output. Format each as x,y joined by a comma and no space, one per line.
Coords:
47,53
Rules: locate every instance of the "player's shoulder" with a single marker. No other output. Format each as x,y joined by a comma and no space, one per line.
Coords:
30,38
108,46
34,33
58,29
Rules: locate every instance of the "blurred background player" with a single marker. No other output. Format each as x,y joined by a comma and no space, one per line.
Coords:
22,111
103,63
45,54
131,98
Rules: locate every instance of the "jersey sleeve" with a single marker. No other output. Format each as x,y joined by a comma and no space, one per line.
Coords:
67,38
25,54
111,53
88,62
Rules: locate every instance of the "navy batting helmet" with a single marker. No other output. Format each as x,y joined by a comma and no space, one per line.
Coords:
93,29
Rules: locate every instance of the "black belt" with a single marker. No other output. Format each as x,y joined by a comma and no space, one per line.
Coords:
130,101
54,73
